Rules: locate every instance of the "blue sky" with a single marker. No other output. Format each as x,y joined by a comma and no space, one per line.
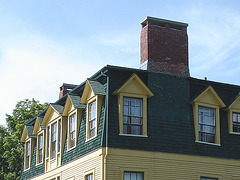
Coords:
47,43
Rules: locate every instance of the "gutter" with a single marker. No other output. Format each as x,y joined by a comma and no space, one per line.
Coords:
105,126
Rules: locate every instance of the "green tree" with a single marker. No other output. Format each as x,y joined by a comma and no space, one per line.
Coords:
3,163
12,147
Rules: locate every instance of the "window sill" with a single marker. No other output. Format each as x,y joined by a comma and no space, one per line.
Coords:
91,138
26,169
37,164
234,133
71,148
134,135
214,144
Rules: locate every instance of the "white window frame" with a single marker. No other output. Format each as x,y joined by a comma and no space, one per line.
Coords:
40,161
71,131
131,172
129,115
96,119
92,118
27,161
206,129
54,140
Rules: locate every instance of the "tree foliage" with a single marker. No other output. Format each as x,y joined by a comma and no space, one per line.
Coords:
12,151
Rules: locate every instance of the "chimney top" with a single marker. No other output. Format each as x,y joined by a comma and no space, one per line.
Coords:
66,88
161,22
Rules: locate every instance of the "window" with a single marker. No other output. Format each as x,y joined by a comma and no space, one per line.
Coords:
132,107
89,177
27,152
72,130
133,176
54,140
206,114
207,178
132,116
57,178
236,122
207,124
92,119
40,148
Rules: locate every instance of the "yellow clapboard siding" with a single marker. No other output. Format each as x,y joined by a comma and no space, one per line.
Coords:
77,168
167,166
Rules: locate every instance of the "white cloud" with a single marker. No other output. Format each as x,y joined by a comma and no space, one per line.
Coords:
213,45
36,69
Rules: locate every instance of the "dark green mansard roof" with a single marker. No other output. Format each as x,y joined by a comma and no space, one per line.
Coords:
76,101
97,87
29,131
57,107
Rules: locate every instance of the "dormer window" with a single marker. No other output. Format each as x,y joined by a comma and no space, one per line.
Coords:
206,113
92,96
92,119
236,122
54,140
27,154
40,148
132,115
132,107
72,130
207,124
59,134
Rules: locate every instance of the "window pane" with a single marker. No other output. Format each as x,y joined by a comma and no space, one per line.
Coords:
207,124
133,175
89,177
207,178
236,122
27,155
72,130
92,119
132,115
40,148
54,136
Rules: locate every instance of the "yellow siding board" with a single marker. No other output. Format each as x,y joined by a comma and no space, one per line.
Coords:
77,168
168,166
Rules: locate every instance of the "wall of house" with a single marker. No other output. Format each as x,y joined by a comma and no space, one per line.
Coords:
78,168
156,165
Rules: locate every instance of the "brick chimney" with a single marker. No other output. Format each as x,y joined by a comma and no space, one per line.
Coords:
66,88
164,46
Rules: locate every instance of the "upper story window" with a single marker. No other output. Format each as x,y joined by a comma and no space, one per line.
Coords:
233,112
132,104
40,148
53,140
208,178
92,96
236,122
27,154
89,177
207,124
206,109
133,176
92,119
72,130
132,115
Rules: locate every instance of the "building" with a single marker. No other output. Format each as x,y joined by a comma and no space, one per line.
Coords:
154,123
